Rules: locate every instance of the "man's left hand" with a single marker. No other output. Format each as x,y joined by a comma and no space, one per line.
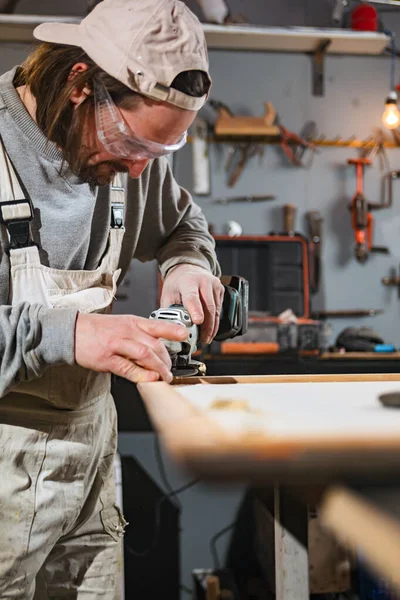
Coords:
200,292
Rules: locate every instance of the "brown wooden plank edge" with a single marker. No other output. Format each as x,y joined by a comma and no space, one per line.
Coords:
192,436
230,379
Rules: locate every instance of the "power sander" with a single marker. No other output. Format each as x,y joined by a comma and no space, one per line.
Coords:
233,322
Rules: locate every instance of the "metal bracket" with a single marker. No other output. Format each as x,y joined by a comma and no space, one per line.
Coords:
319,68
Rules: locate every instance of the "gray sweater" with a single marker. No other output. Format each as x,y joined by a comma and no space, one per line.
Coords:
71,225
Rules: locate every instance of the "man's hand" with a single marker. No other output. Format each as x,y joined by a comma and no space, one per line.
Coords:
126,345
200,293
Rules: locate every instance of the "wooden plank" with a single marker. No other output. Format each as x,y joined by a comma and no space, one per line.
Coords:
224,379
189,428
363,527
184,428
247,448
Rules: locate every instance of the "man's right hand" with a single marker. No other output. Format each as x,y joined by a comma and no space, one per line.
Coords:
126,345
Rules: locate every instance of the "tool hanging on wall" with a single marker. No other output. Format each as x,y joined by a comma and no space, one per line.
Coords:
294,146
289,217
314,221
200,157
241,129
393,280
251,129
245,199
339,8
239,158
387,192
361,215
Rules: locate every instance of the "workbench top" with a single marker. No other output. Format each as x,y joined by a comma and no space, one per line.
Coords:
280,427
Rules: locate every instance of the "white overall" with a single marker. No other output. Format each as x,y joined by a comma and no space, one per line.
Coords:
60,527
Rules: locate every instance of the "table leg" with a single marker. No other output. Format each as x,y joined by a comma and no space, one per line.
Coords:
291,553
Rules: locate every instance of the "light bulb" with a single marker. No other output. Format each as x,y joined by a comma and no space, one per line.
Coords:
391,115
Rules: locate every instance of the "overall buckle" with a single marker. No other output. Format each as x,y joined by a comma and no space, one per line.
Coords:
20,234
17,216
117,215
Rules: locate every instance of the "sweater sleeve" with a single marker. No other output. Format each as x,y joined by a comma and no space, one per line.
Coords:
33,338
174,229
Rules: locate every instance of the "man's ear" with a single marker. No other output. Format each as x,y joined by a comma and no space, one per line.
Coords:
78,94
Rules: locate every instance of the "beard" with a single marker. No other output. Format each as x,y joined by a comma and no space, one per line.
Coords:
101,173
80,148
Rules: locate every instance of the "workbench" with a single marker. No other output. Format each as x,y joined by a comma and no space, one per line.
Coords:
133,417
324,440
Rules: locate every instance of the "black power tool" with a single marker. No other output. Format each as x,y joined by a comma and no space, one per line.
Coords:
233,322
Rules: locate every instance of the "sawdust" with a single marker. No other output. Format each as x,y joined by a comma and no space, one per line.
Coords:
233,405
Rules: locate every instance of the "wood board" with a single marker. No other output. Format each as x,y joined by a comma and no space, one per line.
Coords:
285,427
364,528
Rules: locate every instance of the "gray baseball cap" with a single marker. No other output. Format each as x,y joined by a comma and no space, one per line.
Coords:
144,44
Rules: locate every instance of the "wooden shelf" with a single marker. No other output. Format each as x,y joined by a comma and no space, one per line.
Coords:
387,2
19,28
366,143
294,39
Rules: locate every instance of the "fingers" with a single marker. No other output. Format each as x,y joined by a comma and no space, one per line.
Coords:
142,344
212,296
145,356
204,305
131,371
191,301
168,298
122,344
208,301
219,291
155,344
162,329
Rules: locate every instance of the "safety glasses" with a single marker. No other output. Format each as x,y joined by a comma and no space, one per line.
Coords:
116,135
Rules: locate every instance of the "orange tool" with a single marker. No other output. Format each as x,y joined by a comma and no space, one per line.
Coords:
361,215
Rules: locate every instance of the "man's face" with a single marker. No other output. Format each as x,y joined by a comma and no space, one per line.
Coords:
159,122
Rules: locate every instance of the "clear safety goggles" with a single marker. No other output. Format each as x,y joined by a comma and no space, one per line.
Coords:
116,135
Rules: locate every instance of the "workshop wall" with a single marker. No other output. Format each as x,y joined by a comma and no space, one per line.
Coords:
353,104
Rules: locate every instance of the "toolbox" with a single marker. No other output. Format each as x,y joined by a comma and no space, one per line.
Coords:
277,269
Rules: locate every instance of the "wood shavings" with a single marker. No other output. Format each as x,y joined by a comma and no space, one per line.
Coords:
230,404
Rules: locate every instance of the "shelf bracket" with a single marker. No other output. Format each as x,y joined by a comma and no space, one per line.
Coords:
318,58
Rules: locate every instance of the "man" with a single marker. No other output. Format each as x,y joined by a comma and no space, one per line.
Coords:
91,105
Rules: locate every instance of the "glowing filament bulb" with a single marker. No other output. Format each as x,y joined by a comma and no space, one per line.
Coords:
391,115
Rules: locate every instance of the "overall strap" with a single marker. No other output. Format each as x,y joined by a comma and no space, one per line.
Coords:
118,189
16,211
